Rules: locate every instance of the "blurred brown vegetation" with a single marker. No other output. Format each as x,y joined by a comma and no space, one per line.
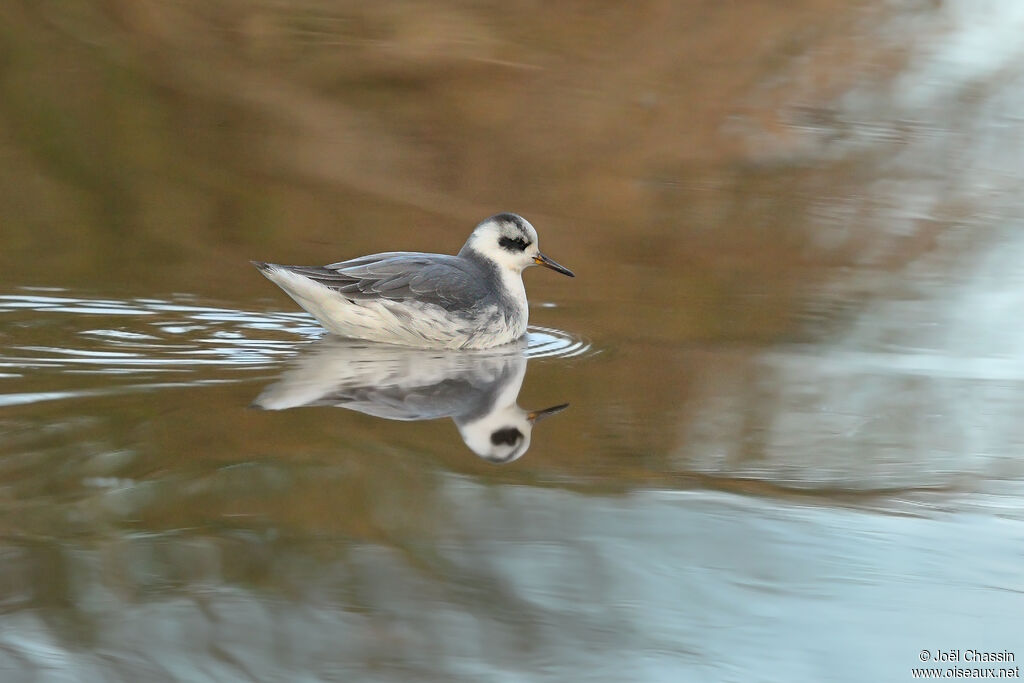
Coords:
159,145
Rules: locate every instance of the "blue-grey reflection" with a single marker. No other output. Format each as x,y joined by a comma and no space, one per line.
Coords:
477,389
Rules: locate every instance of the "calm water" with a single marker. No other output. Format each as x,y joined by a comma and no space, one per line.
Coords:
771,431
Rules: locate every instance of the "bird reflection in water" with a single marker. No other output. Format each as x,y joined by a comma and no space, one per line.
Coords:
477,389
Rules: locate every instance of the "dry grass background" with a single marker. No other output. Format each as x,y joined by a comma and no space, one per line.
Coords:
163,142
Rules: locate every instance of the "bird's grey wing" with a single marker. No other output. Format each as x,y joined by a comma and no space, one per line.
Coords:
444,399
446,281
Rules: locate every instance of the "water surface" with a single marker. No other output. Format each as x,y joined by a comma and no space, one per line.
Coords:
791,355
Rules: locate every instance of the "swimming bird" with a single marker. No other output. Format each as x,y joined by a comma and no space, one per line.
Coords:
473,300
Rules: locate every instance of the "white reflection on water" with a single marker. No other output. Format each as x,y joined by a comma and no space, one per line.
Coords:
156,337
23,398
478,389
978,38
145,335
528,583
919,383
921,390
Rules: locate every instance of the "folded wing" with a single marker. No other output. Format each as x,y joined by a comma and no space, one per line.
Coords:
445,281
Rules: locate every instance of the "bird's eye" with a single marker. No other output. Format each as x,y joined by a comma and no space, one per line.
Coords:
513,243
509,436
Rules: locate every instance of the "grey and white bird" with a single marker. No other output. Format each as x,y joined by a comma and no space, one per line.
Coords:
477,389
473,300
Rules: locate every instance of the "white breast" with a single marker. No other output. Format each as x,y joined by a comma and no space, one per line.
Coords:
512,283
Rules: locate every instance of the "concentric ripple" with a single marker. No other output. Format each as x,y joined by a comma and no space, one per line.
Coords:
146,343
546,342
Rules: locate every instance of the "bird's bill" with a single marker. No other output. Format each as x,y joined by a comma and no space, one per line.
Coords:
538,415
542,260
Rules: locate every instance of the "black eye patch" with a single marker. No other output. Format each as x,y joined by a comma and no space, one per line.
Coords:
513,244
508,436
